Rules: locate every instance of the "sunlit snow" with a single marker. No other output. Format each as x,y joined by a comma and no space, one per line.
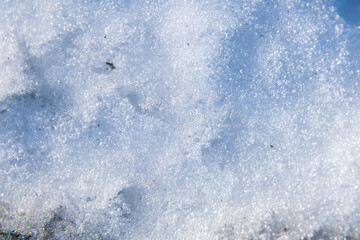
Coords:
179,119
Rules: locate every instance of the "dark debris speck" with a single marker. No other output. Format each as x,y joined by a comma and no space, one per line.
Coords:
111,65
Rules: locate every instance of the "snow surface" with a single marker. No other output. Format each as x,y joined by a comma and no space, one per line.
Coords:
179,119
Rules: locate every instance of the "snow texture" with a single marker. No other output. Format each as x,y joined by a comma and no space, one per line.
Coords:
179,119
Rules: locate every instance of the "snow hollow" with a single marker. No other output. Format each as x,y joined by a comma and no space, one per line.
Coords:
179,119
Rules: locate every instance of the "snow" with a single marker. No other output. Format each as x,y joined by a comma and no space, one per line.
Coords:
179,119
